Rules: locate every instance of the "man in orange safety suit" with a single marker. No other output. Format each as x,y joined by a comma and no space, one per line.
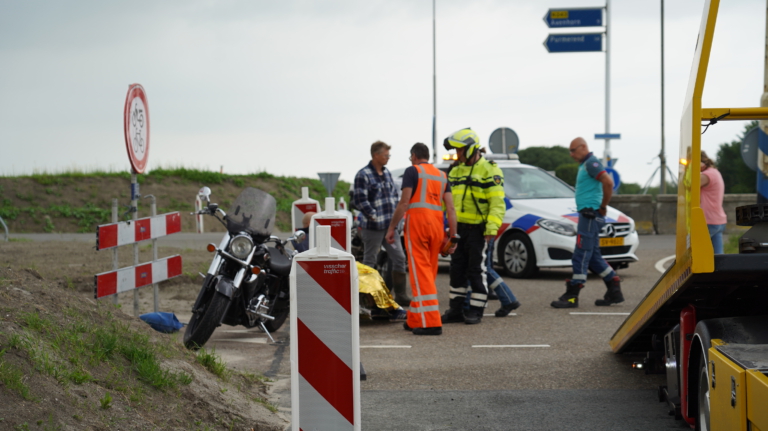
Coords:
425,193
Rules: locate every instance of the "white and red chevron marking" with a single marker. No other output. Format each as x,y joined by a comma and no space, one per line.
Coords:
325,351
133,277
340,231
299,209
129,232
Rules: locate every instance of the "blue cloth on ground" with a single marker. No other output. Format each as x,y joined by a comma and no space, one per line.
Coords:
162,322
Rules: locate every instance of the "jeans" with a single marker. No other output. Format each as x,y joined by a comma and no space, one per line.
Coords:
372,242
495,281
586,255
716,234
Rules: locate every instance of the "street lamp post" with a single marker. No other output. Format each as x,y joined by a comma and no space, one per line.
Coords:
434,89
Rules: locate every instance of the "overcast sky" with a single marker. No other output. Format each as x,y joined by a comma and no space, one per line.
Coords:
300,87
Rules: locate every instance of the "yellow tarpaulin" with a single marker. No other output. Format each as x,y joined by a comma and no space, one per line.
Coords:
371,283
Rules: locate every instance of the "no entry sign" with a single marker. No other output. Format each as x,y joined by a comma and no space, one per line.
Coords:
137,127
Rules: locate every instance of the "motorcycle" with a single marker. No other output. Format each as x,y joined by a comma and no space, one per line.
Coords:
248,280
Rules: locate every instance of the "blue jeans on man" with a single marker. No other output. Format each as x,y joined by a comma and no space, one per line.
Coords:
586,257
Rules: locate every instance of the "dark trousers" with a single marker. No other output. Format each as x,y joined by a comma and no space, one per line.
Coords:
468,264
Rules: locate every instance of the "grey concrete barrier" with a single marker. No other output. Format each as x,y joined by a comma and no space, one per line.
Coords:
660,215
640,208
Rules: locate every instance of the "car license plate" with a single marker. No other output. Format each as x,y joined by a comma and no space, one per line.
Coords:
611,242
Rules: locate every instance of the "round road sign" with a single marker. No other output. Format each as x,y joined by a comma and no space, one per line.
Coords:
504,141
137,127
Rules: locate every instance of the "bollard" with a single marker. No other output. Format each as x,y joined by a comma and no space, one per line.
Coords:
325,338
340,224
342,204
301,207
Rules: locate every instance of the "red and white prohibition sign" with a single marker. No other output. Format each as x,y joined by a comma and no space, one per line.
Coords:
136,121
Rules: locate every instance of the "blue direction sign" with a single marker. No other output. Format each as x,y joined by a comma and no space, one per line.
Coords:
607,135
616,177
587,42
587,17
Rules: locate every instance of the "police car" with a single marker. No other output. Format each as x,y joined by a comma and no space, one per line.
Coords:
539,230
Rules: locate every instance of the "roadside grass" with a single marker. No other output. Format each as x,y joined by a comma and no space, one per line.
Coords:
13,378
70,352
731,245
213,363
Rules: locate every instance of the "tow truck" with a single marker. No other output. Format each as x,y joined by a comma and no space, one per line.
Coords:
705,321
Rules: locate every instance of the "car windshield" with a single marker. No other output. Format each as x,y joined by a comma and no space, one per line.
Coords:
528,183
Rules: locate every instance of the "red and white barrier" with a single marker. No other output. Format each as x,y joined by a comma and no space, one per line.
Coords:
129,232
301,207
325,339
133,277
340,224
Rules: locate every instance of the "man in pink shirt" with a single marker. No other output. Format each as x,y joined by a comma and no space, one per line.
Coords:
712,191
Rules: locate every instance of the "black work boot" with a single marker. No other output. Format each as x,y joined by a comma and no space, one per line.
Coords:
473,315
455,314
452,315
613,295
506,309
570,298
428,331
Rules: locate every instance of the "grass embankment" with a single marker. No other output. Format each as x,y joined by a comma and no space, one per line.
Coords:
70,363
79,201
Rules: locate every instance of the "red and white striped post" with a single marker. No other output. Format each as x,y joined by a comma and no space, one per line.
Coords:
325,339
339,222
301,207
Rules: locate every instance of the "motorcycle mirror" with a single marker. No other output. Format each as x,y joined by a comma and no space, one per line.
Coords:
205,194
299,235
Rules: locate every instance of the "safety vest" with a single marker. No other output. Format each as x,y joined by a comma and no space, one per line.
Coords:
478,194
428,195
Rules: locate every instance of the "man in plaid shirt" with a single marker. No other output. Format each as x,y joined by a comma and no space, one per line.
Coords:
375,196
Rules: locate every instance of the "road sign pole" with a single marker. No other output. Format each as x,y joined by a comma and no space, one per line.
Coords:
115,260
662,154
135,209
607,78
434,88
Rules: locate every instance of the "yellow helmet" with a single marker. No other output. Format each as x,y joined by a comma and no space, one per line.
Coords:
464,138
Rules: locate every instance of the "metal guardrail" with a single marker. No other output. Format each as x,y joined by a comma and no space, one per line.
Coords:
4,227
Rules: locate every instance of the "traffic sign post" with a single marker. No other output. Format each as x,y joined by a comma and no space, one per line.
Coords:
329,180
575,17
585,42
504,141
136,125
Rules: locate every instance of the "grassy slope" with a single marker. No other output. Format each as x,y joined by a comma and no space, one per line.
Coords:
78,202
70,363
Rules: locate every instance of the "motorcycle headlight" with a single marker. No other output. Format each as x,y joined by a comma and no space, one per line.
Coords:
557,227
241,246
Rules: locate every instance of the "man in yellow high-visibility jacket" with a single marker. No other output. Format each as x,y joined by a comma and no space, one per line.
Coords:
478,196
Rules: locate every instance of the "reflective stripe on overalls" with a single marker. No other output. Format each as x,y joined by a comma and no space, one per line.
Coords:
424,233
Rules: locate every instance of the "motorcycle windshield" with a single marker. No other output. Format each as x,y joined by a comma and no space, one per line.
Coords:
253,212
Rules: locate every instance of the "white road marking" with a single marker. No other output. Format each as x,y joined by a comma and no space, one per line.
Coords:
510,314
660,263
575,313
245,340
509,345
385,347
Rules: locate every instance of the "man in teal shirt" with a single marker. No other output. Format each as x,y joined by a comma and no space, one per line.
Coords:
593,192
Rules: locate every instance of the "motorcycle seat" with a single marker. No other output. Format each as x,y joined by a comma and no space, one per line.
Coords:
279,263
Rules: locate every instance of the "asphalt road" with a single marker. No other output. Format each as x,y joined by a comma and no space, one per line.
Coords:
541,368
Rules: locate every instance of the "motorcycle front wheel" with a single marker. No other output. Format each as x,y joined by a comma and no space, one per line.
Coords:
202,324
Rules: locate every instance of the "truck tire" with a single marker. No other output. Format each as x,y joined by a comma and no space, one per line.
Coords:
517,256
702,419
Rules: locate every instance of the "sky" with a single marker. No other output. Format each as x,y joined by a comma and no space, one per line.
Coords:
298,87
